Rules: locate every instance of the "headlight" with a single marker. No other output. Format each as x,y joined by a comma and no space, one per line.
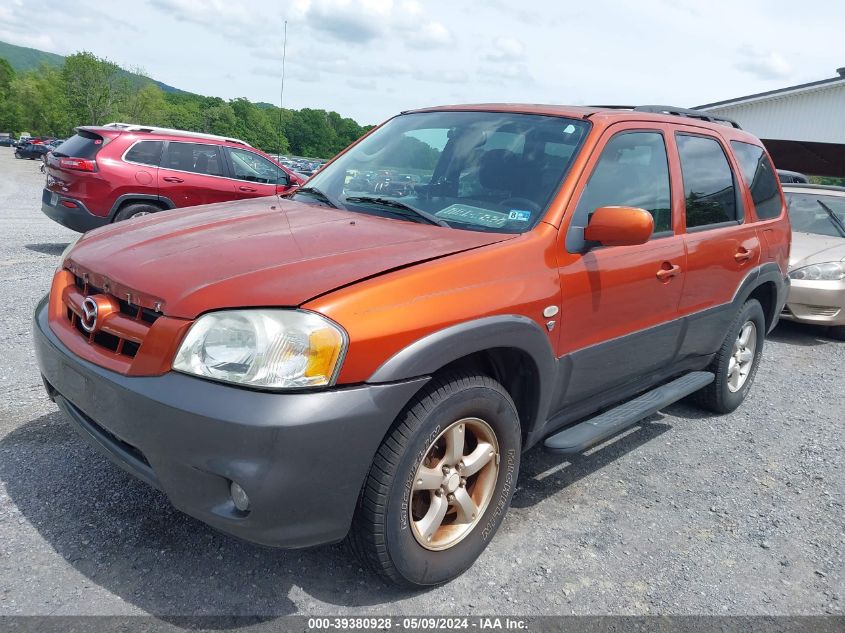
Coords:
271,349
830,271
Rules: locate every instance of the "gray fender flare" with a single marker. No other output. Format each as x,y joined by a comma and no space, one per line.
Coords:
433,351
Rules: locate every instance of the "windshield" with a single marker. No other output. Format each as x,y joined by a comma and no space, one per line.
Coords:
482,171
813,213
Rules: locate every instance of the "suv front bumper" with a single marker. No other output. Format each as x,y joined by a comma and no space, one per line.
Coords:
301,457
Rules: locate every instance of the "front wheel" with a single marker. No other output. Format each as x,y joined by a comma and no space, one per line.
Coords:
735,364
441,482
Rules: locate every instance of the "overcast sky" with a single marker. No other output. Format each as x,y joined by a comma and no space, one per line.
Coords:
369,59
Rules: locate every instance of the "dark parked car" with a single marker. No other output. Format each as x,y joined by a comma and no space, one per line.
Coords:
791,177
32,151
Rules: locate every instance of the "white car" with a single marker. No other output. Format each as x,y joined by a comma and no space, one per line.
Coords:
817,259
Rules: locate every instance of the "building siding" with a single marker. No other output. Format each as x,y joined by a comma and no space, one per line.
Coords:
815,115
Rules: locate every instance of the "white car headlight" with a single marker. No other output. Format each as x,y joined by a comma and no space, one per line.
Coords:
829,271
270,349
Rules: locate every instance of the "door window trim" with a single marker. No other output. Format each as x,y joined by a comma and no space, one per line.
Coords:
738,190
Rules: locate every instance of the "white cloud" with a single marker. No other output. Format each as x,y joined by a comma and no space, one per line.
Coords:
506,49
430,35
763,65
357,22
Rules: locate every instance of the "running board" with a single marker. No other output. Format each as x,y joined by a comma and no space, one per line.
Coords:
584,434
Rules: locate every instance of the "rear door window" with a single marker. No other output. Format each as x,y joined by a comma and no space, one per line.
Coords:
81,145
709,188
759,175
198,158
145,153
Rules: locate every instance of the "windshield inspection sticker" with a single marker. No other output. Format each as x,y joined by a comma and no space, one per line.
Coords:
473,215
519,215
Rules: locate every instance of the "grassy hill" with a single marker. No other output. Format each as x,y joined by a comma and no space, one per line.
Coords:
22,59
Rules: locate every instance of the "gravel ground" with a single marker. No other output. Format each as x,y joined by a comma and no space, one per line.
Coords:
688,513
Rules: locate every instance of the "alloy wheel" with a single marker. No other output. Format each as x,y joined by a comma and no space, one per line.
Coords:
742,356
454,483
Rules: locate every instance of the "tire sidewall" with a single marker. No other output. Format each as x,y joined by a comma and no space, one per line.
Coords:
751,311
415,563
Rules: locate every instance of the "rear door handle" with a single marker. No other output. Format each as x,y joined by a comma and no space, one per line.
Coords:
743,255
172,179
667,273
250,189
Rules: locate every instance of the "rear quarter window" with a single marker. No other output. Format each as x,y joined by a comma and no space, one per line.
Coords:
145,153
81,145
760,176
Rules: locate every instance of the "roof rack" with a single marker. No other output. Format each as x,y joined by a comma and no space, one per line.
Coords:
664,109
134,127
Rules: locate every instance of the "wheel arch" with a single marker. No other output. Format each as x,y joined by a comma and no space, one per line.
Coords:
769,286
133,198
512,349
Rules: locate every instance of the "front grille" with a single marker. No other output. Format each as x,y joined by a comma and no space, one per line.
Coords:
122,335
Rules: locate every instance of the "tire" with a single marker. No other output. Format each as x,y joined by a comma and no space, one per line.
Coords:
386,530
837,332
18,155
134,211
728,391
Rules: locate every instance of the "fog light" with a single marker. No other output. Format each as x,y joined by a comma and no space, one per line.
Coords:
239,497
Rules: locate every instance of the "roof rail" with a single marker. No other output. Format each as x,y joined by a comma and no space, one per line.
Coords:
693,114
134,127
662,109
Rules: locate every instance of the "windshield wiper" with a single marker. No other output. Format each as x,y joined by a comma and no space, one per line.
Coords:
395,204
833,217
316,193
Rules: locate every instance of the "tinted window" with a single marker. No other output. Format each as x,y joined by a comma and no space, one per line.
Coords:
633,171
254,168
709,188
759,175
146,153
819,214
82,145
196,157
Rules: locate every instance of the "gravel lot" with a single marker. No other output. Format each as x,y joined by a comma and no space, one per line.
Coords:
688,513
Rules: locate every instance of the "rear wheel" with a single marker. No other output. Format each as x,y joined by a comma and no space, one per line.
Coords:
18,155
136,210
735,364
441,482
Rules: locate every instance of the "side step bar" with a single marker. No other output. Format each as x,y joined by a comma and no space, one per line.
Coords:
584,434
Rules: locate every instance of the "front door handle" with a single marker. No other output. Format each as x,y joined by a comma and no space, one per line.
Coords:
743,255
250,189
172,179
667,273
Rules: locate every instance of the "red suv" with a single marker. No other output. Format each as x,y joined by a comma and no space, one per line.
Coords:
117,171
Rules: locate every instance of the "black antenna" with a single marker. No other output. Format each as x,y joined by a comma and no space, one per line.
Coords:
281,106
282,92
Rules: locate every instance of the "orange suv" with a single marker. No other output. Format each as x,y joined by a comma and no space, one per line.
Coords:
368,361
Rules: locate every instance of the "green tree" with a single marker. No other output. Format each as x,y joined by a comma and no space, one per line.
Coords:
94,88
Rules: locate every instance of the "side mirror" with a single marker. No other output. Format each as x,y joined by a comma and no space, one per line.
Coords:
619,226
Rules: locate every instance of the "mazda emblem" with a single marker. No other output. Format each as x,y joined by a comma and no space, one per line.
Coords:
88,320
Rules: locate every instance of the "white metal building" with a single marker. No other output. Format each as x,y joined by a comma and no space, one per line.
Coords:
802,126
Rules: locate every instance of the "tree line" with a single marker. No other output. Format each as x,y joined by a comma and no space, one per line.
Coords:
88,90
